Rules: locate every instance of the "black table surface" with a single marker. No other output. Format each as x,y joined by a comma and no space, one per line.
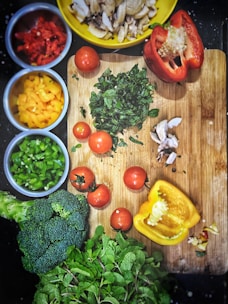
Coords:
17,285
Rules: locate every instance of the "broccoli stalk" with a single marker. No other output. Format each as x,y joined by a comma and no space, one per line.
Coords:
13,209
48,227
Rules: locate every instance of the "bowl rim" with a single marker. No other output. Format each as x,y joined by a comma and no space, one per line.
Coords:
17,139
29,8
22,73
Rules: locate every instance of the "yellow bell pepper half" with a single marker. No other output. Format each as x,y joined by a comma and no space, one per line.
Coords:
167,215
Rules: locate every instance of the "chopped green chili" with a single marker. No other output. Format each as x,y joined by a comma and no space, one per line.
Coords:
37,163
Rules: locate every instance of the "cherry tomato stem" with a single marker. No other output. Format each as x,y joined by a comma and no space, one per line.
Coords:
82,178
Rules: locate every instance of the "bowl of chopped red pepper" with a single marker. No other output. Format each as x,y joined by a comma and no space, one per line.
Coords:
37,35
35,99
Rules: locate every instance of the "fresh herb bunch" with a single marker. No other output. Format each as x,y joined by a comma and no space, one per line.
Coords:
107,270
122,101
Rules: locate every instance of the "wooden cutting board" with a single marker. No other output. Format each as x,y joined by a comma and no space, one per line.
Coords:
201,171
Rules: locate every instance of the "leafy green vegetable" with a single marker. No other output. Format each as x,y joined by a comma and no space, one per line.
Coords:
83,112
48,226
74,148
107,270
135,140
37,163
122,101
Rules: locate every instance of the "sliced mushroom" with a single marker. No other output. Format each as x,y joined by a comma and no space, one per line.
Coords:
152,13
134,6
81,10
107,22
94,7
150,3
142,22
121,34
121,12
118,2
142,13
108,6
105,18
97,32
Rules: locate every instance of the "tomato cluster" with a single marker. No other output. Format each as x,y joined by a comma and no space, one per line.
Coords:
83,179
100,141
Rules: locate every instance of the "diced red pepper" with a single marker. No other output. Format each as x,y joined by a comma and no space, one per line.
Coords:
172,50
43,43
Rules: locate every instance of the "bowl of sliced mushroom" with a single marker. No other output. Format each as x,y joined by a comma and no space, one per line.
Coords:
115,24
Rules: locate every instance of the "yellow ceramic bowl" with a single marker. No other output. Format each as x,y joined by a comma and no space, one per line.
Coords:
165,9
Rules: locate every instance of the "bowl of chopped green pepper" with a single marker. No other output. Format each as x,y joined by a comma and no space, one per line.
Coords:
36,163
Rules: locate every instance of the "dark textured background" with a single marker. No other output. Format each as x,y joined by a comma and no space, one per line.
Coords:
18,286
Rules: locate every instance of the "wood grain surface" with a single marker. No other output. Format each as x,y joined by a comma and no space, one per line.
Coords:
201,169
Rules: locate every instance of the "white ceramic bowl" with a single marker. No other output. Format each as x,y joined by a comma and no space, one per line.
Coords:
25,19
13,147
15,87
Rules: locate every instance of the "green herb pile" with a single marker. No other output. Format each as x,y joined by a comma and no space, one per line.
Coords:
122,101
107,270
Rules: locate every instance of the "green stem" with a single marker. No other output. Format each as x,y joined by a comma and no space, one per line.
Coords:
13,209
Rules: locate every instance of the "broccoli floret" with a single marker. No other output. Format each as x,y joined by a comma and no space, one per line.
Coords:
26,236
48,226
40,211
66,207
58,250
56,229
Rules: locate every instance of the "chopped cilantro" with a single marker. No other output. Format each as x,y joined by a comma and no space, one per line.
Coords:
122,101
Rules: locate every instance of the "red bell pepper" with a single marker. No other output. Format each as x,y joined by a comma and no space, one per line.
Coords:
171,51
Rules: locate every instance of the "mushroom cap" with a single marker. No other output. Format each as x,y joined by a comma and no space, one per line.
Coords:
134,6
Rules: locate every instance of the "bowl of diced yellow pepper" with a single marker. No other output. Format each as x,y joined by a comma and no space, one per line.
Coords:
36,99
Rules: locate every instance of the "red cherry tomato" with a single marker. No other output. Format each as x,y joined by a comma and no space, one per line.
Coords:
100,197
81,130
86,59
100,142
135,177
82,178
121,219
